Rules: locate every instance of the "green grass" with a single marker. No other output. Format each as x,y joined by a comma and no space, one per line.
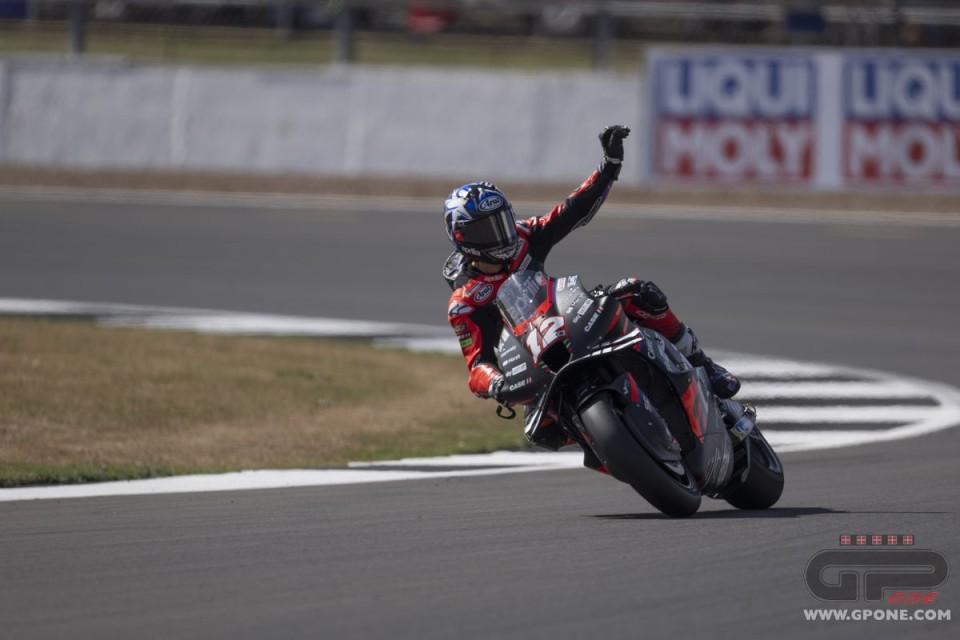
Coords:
82,403
236,46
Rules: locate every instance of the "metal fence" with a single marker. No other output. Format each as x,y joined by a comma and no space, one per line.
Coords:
585,33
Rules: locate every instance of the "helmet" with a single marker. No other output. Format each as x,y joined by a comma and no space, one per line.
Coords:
480,222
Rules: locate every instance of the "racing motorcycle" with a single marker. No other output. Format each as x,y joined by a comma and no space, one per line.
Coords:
586,374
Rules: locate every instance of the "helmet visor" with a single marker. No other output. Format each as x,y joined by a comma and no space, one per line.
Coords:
492,232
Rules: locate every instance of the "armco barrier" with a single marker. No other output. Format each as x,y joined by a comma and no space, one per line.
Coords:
336,121
823,119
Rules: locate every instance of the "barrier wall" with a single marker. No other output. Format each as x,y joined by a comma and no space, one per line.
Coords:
335,121
807,118
824,119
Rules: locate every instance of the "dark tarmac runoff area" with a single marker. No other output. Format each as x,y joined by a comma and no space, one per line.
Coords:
551,554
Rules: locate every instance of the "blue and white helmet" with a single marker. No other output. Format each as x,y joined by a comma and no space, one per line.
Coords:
480,222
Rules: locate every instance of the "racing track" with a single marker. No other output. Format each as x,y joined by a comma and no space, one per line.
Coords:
553,554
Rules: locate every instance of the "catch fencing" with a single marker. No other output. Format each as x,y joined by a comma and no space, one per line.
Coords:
601,33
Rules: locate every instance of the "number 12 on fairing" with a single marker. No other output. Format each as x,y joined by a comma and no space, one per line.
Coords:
545,333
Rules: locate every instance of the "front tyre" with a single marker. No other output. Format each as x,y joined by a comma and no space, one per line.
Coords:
764,482
626,460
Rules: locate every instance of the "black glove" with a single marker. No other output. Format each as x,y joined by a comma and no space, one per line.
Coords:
611,139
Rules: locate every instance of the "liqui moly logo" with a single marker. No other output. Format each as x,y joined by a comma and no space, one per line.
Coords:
901,119
733,117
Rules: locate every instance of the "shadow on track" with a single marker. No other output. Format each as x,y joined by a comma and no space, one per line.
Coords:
787,512
733,514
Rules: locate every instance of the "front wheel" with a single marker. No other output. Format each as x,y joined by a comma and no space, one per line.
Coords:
672,493
764,482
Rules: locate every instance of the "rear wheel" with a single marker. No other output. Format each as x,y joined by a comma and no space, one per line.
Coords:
764,482
672,492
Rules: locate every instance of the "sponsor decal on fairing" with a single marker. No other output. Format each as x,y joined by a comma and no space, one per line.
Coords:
593,320
581,312
520,384
512,359
520,368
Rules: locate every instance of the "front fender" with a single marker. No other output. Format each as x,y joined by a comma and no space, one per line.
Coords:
535,417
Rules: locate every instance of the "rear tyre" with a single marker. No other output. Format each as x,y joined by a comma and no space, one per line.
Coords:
674,494
764,483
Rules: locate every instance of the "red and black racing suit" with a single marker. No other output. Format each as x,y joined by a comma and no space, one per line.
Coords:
475,318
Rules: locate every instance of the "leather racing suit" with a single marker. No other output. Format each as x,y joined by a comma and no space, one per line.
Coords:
476,320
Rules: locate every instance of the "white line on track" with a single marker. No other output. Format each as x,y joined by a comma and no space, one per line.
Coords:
752,367
773,382
210,321
495,464
825,390
847,415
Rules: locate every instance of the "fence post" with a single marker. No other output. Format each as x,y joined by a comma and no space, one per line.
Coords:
603,39
898,23
5,100
78,27
285,19
345,38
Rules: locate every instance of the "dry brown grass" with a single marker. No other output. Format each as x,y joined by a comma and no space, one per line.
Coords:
81,402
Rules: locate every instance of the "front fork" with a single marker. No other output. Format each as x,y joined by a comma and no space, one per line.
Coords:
741,420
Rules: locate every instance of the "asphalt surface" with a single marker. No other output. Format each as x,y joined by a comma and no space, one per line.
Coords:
560,554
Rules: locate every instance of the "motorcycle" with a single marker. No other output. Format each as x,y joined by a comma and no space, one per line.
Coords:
586,374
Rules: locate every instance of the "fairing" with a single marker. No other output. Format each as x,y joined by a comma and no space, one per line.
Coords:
603,352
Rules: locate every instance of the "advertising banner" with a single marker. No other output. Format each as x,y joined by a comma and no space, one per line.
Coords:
798,117
737,117
901,119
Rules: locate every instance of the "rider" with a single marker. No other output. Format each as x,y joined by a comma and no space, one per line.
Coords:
490,245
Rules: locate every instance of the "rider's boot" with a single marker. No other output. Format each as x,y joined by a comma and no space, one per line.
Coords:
725,384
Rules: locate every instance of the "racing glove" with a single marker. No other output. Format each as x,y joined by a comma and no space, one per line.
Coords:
611,139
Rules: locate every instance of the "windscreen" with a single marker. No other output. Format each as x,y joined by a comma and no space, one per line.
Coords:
522,296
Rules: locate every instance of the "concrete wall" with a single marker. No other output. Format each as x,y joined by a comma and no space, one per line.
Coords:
336,121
